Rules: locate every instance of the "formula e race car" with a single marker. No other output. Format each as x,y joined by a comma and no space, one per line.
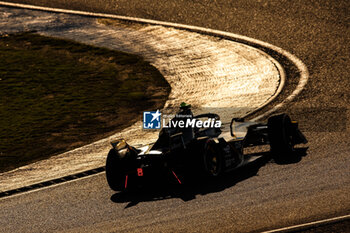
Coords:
204,152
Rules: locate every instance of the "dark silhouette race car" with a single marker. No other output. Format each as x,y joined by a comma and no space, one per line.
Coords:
198,151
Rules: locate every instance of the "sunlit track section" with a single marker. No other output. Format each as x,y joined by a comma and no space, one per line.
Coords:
303,71
207,71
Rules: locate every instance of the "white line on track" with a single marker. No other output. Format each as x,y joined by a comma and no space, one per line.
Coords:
310,224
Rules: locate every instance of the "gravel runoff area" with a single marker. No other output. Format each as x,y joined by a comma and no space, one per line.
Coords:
202,70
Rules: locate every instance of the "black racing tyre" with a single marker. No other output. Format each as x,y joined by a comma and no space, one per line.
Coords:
213,160
115,175
280,137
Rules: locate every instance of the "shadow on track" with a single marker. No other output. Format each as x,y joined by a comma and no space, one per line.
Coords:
163,189
296,158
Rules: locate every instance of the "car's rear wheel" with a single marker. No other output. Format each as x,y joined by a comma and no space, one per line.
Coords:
280,137
116,177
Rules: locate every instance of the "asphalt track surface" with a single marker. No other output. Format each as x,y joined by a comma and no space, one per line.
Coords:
314,188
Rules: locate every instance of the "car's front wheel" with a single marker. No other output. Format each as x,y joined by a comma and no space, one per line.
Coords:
280,137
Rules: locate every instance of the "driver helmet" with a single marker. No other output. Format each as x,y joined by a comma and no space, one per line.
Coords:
184,105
